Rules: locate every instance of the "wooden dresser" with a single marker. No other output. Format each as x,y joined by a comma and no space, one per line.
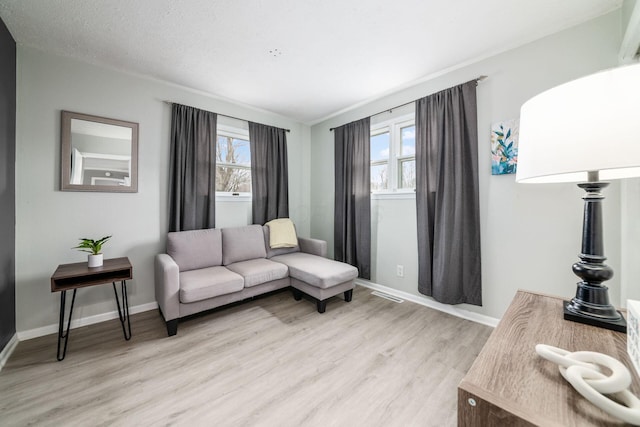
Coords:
510,385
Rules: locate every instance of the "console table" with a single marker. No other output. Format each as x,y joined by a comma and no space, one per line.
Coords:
509,384
73,276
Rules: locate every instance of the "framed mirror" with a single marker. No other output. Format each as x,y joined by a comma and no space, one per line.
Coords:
98,154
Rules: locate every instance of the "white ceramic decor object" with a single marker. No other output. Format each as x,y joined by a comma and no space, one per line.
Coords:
95,260
582,369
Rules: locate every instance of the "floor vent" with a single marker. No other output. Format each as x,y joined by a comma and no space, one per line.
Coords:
387,296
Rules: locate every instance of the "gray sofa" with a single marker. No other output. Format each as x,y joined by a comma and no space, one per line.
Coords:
205,269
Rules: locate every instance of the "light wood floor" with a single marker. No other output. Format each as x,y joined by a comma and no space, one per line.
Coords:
269,362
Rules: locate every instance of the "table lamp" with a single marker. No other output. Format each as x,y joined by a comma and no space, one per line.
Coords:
585,131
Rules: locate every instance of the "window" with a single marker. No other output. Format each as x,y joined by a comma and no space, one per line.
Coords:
380,160
233,161
393,156
407,157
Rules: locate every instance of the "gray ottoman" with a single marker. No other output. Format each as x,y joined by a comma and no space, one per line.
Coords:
318,277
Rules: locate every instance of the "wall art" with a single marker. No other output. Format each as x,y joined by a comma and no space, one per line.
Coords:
504,147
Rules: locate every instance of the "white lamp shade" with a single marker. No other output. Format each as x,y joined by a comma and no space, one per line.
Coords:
589,124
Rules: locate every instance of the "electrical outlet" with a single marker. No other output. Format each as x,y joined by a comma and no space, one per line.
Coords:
400,270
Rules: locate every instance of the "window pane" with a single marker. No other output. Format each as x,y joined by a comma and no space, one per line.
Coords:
408,177
379,177
408,147
233,180
380,147
233,151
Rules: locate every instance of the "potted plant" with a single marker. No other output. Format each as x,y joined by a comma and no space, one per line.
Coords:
94,248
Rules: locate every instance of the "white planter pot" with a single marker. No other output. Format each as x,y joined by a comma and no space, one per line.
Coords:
95,260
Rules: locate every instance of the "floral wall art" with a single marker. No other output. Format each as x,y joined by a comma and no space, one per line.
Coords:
504,147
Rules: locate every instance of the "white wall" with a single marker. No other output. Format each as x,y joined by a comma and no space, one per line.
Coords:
530,233
50,221
630,195
630,232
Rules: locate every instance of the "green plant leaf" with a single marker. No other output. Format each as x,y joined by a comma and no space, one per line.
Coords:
91,246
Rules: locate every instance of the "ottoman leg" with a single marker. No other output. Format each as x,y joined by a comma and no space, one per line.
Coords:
322,306
172,327
348,295
297,295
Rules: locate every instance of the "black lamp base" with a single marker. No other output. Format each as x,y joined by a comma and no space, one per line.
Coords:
591,304
619,325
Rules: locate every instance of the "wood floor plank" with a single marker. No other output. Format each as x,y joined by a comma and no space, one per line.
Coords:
273,361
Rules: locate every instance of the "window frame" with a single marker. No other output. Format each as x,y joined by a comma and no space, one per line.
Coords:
394,162
236,133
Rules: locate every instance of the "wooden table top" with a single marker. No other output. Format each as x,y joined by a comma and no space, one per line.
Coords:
508,372
79,274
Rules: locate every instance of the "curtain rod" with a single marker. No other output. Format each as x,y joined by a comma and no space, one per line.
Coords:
219,114
388,110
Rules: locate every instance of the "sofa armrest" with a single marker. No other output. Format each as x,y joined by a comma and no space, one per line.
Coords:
167,286
313,246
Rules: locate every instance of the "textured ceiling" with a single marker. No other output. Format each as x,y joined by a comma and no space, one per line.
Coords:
302,59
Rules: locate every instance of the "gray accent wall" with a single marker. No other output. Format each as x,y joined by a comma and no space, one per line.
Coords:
7,185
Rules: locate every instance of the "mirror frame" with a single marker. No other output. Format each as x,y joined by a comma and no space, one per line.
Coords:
65,163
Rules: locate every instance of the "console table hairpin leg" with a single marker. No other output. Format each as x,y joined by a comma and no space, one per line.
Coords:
123,314
61,333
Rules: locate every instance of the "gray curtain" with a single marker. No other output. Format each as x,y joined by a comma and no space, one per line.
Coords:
269,173
192,188
352,215
447,196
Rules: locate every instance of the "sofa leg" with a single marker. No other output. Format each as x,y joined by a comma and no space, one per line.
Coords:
297,295
172,327
348,295
322,306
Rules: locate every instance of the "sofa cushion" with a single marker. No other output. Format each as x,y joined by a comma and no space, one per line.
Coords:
259,271
195,248
317,271
196,285
282,233
242,243
271,252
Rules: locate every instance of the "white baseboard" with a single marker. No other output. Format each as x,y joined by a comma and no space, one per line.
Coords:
428,302
84,321
7,350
